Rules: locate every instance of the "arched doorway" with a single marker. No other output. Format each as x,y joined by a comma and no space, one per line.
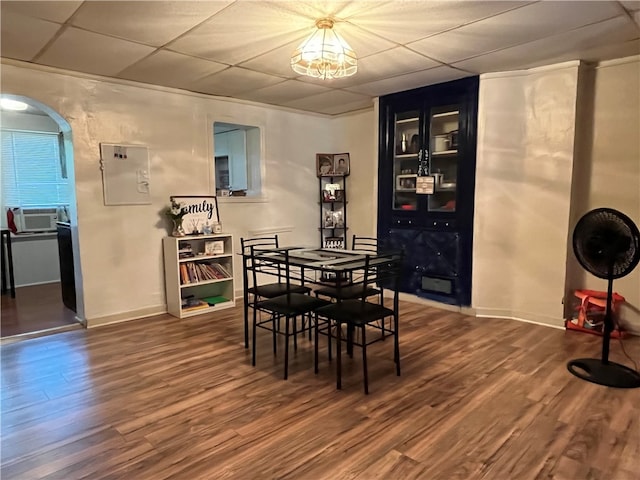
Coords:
46,263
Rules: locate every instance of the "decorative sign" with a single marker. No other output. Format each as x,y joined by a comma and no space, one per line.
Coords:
425,185
200,213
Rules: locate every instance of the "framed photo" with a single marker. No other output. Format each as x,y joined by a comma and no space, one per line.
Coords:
341,164
339,195
329,221
200,213
327,196
338,219
214,247
324,164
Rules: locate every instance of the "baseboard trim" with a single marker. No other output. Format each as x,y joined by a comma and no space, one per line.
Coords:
126,316
407,297
519,317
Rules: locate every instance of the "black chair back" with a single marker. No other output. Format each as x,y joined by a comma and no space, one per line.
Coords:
367,244
383,270
247,246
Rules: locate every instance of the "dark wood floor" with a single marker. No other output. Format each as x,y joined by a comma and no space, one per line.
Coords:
163,398
36,308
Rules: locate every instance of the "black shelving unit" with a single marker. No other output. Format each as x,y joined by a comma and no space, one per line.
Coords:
430,132
333,211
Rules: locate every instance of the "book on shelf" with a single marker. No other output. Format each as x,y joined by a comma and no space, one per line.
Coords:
194,272
211,301
192,303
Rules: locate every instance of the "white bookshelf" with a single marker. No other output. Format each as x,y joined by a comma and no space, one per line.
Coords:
188,277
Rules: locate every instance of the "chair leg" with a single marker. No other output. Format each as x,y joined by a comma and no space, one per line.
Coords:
274,333
295,332
364,362
329,337
315,347
338,355
253,342
396,344
286,347
246,320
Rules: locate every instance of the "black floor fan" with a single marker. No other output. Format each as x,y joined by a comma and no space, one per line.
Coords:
605,242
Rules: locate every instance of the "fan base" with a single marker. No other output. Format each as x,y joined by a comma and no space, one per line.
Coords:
610,374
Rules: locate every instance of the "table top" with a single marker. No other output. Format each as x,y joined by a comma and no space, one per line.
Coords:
321,258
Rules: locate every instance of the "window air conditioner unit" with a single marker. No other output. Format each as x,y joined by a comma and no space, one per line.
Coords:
35,219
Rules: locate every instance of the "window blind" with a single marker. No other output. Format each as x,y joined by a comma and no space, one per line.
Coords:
31,170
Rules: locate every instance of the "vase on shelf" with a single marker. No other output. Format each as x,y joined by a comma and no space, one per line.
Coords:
178,231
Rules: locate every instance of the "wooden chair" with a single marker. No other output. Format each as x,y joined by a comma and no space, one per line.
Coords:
257,291
384,269
291,305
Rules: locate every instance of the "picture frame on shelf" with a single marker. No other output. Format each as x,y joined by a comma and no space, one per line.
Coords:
213,247
329,220
200,211
338,195
327,196
341,164
324,164
338,219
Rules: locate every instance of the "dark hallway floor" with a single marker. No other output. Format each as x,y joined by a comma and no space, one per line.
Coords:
35,308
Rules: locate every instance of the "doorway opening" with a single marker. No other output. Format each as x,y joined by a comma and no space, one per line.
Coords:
38,208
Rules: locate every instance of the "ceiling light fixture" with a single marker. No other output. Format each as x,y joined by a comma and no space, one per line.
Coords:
325,54
8,104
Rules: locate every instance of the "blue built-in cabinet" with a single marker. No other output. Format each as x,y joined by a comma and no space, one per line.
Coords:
426,178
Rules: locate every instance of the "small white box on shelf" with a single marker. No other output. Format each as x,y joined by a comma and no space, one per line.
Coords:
213,247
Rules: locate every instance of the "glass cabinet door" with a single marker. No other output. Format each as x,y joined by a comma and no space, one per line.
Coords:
406,147
444,125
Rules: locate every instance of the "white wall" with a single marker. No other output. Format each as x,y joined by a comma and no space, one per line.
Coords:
613,165
120,246
526,130
353,133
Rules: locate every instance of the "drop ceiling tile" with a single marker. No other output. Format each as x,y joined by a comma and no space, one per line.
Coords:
340,108
512,28
393,62
339,10
565,46
152,23
91,52
23,37
409,81
225,39
286,91
276,62
328,101
54,11
631,5
404,22
233,81
171,69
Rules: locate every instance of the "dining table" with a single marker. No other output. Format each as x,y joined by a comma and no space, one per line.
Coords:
307,265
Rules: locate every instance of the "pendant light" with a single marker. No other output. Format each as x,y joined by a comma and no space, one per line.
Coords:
325,54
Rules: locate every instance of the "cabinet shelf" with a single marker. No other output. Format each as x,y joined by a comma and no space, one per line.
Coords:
407,120
197,258
444,152
205,282
446,114
404,156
